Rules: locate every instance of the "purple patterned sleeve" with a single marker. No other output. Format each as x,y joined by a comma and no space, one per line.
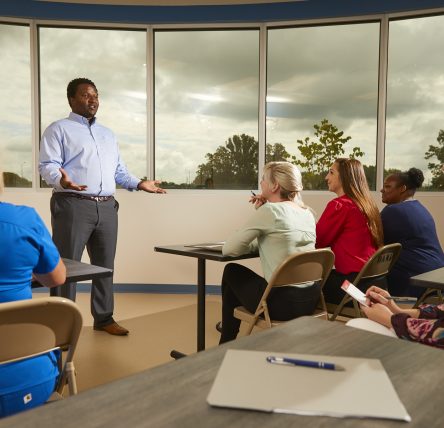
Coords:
431,312
427,331
399,324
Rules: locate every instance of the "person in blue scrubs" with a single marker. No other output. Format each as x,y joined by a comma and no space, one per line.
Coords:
26,250
407,221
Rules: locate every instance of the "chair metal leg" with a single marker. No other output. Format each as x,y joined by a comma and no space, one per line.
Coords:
357,309
324,306
339,308
71,375
177,355
62,382
250,327
426,294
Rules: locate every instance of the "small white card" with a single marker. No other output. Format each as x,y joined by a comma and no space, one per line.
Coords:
354,292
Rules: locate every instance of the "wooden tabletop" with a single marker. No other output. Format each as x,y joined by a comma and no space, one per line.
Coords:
174,394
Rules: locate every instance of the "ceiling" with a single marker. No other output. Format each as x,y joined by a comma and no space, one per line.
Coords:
171,2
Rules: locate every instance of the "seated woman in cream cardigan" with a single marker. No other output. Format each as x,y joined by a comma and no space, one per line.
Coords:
281,225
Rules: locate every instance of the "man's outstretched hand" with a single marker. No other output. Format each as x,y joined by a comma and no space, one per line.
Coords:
150,186
66,182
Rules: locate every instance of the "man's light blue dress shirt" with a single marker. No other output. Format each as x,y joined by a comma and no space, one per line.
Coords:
89,154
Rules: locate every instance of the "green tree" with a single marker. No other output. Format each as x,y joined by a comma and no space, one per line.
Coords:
318,155
232,166
12,179
436,167
235,165
276,153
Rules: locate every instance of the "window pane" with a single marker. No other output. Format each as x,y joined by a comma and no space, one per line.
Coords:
318,74
116,62
15,106
206,108
415,99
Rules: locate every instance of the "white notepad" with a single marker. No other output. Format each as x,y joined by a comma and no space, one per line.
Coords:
246,380
210,246
354,292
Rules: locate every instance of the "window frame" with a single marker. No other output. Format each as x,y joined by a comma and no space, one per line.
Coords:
383,18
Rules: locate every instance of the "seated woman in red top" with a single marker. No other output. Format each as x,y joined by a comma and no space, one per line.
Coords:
350,225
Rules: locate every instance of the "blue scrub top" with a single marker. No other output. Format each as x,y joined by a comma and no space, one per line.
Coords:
25,247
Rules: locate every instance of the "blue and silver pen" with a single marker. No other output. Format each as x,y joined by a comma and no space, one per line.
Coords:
304,363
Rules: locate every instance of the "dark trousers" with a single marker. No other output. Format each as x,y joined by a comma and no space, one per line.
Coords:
243,287
79,223
333,293
399,284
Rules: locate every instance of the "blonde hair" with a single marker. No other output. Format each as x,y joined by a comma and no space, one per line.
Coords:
289,179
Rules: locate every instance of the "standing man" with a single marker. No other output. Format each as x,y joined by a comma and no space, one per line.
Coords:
80,159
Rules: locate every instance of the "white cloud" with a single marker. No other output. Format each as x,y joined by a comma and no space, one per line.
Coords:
207,88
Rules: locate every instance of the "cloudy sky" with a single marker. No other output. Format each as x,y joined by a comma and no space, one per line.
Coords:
206,89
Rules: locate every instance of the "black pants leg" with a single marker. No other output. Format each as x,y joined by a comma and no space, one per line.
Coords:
333,292
240,287
243,287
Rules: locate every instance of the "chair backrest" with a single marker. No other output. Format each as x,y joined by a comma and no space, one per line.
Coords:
308,266
380,263
34,327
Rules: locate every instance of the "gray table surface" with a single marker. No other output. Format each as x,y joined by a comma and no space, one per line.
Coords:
199,253
432,279
79,271
174,394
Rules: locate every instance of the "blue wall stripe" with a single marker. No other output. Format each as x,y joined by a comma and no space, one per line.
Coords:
146,288
308,9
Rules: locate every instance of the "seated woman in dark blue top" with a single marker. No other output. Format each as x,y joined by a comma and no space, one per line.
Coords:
26,249
407,221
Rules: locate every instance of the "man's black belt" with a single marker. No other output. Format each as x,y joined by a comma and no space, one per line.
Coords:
87,197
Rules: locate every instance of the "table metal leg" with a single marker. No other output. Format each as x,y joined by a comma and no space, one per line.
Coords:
200,304
200,311
177,354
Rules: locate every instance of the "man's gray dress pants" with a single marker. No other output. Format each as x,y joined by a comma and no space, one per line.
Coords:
79,223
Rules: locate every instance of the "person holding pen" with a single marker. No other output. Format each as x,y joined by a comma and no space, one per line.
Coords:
280,226
424,325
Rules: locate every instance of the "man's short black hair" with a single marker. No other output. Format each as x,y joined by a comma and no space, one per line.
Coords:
73,85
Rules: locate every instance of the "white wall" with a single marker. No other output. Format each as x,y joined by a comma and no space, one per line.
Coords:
147,220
